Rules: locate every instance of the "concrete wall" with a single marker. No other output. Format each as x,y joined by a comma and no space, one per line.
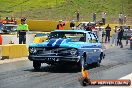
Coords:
44,25
7,38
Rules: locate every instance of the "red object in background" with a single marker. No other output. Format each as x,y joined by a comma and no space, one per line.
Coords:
0,40
131,38
8,22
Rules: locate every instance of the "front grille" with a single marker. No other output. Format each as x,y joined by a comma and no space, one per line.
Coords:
56,50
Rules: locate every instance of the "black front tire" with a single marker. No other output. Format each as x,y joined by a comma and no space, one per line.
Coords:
96,64
36,65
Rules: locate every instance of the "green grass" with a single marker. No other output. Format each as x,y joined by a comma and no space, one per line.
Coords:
61,9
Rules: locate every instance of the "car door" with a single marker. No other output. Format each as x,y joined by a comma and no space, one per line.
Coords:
95,48
90,49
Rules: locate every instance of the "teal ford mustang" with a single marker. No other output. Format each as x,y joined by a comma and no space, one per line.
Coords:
67,46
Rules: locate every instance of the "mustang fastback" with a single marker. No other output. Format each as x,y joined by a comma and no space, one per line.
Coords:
78,47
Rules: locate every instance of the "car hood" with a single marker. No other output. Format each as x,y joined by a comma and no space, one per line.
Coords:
59,43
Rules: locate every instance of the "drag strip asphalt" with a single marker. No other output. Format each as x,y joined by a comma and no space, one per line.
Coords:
117,64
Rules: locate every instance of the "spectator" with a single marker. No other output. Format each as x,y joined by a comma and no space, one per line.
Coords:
11,20
88,27
107,29
125,19
22,29
120,35
94,17
120,18
103,34
72,24
7,18
78,16
60,25
114,36
103,18
100,34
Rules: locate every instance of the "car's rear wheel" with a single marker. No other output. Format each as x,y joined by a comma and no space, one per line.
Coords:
36,65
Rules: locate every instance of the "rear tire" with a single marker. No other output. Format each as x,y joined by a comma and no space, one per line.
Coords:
36,65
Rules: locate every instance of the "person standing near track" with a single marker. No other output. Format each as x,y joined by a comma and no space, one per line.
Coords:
72,25
60,25
78,15
107,29
114,36
125,19
21,31
94,17
120,35
104,18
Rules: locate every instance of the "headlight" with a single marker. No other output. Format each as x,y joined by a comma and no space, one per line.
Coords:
32,50
73,51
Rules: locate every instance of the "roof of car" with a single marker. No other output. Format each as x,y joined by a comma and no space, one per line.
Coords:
83,31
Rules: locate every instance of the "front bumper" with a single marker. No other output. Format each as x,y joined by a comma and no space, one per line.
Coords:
50,59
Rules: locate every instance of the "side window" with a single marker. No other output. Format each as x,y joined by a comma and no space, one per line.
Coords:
92,38
95,38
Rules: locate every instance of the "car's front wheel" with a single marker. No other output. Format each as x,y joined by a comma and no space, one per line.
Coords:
36,65
96,64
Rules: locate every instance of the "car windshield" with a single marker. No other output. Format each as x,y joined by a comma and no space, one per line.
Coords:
10,27
74,36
